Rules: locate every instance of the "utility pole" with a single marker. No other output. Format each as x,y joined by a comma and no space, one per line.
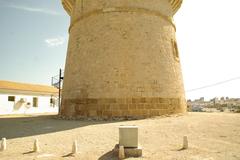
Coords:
59,90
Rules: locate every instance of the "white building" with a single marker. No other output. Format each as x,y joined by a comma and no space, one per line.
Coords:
22,98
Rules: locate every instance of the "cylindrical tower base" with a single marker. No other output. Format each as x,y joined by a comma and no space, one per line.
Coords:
122,61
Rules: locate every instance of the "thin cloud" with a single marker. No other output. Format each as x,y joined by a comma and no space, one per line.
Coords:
54,42
32,9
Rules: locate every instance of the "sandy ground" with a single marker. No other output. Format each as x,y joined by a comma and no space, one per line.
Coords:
212,136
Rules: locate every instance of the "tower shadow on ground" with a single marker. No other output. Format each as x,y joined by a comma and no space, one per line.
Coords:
17,127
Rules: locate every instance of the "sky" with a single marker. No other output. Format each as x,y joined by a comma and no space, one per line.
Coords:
34,37
208,33
33,41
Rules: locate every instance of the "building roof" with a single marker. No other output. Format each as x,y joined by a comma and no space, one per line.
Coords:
16,87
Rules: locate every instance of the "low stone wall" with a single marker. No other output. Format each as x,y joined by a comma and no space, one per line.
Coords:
122,107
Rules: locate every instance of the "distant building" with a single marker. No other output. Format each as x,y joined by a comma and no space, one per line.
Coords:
197,109
22,98
214,105
201,99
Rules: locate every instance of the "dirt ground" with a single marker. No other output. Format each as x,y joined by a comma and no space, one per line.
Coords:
212,136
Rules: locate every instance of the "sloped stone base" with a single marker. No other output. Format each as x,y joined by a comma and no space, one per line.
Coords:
129,151
127,108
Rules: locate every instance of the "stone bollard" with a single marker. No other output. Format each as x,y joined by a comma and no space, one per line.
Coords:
185,142
3,144
121,153
74,147
36,147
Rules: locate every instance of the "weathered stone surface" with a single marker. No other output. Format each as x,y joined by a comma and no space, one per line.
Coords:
113,110
122,59
129,151
133,152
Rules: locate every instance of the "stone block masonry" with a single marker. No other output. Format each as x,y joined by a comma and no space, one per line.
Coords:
122,59
124,107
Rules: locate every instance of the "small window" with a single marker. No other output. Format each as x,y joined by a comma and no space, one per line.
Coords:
35,102
175,49
11,98
52,102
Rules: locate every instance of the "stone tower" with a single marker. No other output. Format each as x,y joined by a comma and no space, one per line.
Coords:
122,59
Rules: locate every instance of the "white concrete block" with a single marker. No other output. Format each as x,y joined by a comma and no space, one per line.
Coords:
128,136
74,147
3,144
36,147
185,142
121,153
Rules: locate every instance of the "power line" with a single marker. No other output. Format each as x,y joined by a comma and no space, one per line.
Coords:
214,84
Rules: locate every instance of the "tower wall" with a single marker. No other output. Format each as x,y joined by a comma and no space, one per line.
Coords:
122,60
